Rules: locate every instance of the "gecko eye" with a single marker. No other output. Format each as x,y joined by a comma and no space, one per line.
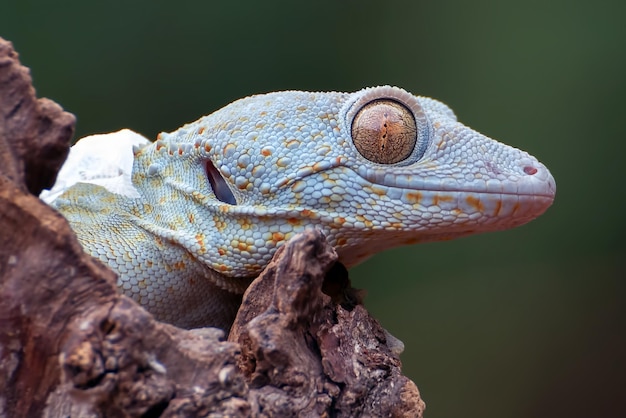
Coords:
384,131
218,184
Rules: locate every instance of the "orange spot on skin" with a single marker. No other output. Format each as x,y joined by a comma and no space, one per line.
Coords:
340,220
413,197
317,167
256,170
265,152
207,147
229,148
196,195
200,241
496,212
515,208
245,224
341,241
223,267
179,265
219,223
294,221
159,146
306,213
475,203
242,246
201,130
221,251
379,192
278,237
191,218
367,222
439,198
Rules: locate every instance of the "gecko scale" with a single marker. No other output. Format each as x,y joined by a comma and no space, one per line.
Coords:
188,220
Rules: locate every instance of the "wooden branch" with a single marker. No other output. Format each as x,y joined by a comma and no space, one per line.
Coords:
70,345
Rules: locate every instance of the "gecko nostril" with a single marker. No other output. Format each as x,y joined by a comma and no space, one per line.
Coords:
530,170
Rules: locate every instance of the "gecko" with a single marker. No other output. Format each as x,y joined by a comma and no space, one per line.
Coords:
187,221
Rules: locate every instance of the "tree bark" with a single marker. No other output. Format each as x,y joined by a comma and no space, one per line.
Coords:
71,345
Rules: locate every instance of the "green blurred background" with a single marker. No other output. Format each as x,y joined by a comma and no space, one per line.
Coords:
524,323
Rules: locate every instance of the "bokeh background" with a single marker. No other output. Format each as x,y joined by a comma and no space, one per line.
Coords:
524,323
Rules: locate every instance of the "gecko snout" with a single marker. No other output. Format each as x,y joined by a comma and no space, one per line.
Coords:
540,178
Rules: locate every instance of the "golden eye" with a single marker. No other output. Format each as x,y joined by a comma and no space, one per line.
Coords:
384,131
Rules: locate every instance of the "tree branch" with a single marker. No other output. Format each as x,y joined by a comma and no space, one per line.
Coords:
71,345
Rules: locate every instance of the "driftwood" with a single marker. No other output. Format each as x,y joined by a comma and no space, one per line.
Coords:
70,345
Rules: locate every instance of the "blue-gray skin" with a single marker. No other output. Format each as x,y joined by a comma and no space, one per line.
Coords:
375,169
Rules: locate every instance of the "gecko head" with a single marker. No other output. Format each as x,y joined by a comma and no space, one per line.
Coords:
374,169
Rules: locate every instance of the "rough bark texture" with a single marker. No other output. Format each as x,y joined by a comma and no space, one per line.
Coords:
70,345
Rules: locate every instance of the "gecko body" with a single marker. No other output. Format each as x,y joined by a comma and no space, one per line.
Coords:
206,206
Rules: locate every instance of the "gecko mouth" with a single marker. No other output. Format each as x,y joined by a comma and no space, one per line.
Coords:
532,179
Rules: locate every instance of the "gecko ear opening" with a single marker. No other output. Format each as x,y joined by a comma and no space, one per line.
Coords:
218,184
